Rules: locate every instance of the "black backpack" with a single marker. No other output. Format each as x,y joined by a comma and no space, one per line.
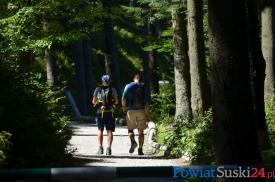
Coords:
138,99
107,101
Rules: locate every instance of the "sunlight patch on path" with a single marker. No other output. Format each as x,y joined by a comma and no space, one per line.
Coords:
84,141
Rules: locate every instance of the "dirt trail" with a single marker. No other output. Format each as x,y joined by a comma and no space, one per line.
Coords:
84,141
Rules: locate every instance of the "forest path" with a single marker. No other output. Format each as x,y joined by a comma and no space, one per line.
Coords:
84,142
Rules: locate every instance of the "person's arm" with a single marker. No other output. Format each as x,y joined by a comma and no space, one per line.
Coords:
123,103
116,101
94,100
123,100
115,96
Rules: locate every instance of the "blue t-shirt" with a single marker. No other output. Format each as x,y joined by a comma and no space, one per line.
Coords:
128,95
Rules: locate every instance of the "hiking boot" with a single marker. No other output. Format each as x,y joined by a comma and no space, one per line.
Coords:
108,151
133,146
140,152
100,150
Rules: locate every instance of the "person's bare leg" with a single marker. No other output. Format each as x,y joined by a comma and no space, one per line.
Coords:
109,138
131,135
100,137
140,138
140,141
100,141
109,142
133,142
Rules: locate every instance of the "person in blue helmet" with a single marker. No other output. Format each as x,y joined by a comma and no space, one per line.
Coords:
105,98
135,103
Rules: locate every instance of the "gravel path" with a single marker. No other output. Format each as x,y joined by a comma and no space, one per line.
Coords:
84,142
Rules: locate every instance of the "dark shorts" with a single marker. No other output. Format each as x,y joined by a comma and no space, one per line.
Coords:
107,121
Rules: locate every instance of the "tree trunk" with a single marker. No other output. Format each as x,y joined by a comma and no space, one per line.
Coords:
3,7
154,78
153,65
132,3
146,76
88,70
108,30
111,63
78,58
199,89
51,68
257,71
268,48
146,67
148,59
181,65
234,124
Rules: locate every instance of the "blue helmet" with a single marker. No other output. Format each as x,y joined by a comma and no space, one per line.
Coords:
105,79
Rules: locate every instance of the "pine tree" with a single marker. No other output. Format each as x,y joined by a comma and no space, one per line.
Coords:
234,122
199,89
181,65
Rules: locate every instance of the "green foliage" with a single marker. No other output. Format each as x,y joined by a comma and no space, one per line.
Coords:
159,9
28,28
193,139
146,28
163,104
270,118
32,113
164,44
161,132
5,145
41,24
269,155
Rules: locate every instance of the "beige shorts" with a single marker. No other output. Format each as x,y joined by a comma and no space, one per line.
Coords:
136,119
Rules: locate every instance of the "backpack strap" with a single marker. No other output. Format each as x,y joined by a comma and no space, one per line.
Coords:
110,94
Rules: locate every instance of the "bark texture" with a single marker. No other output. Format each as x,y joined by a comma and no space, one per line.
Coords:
153,64
268,48
234,125
257,71
146,67
51,68
199,89
181,65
